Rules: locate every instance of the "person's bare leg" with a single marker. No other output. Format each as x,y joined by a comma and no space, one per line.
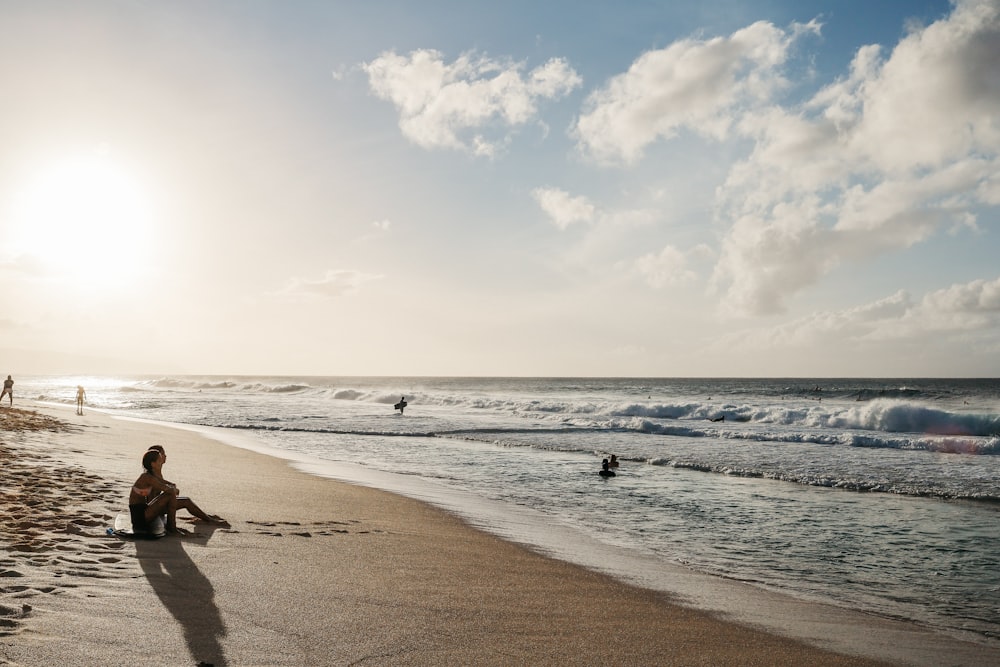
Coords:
172,516
159,506
190,506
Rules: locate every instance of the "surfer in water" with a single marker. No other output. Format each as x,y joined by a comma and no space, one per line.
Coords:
402,404
605,471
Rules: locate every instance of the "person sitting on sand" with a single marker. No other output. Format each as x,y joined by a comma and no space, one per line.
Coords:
8,390
183,502
151,497
605,471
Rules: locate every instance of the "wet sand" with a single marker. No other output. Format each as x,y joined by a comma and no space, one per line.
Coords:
310,571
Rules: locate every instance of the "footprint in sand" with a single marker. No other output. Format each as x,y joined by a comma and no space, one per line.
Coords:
6,610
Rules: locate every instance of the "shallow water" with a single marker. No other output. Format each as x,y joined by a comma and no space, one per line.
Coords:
813,487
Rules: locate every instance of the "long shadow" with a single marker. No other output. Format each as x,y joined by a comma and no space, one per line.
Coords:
185,592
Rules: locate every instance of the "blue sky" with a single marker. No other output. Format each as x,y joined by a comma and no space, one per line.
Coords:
448,188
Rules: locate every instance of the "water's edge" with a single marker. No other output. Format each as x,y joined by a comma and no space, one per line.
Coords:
842,630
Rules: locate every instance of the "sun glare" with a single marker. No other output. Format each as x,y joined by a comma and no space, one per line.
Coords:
85,219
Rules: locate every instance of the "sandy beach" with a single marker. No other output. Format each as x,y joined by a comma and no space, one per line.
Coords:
310,571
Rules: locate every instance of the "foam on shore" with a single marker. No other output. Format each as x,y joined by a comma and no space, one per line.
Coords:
316,572
824,625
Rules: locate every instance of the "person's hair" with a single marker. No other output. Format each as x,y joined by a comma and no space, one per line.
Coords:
158,448
148,458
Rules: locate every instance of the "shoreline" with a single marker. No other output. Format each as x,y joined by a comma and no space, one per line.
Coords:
337,560
817,623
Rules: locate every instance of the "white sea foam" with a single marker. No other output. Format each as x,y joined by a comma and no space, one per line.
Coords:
688,484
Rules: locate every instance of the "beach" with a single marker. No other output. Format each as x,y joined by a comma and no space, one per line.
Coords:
310,571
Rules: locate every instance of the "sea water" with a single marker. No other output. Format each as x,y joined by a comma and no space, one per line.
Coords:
872,494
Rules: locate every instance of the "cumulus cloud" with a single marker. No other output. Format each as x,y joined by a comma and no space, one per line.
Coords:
334,283
452,105
901,147
563,208
667,267
966,307
696,84
958,310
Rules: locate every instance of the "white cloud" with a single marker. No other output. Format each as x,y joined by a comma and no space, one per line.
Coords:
968,307
563,208
959,310
334,283
667,267
698,84
881,160
826,327
441,104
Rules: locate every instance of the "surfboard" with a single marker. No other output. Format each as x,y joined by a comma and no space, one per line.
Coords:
123,528
400,405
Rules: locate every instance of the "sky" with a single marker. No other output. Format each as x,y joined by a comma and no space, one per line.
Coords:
765,188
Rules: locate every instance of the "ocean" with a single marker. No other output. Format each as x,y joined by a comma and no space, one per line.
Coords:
876,495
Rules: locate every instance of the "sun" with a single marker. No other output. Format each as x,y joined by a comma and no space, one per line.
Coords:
84,219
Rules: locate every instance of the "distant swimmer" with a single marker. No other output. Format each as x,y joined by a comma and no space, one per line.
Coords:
613,463
604,471
402,404
719,419
8,390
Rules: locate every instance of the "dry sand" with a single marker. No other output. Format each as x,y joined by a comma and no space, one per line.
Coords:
309,572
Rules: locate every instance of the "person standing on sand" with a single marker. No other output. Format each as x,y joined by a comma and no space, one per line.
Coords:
81,395
8,390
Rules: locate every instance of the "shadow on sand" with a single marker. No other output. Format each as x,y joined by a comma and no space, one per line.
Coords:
186,592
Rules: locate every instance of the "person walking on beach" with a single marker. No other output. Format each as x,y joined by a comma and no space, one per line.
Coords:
8,390
81,395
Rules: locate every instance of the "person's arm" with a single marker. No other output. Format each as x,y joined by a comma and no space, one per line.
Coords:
162,485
